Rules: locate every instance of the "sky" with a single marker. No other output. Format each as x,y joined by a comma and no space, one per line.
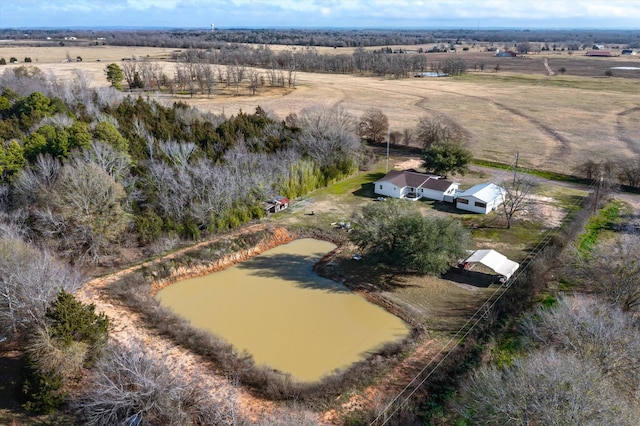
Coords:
407,14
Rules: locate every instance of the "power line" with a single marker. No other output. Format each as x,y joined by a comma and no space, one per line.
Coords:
485,307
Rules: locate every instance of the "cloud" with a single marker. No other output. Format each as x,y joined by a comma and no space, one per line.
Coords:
318,13
160,4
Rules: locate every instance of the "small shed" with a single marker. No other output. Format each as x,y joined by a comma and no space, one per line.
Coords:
492,260
599,53
275,204
481,198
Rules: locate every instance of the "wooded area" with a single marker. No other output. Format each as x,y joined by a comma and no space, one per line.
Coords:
88,176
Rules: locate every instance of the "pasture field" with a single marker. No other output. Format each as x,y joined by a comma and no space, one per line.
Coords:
554,122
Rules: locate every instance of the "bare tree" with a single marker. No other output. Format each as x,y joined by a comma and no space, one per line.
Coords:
590,169
208,76
613,270
29,280
131,386
547,388
374,125
454,66
151,74
516,197
82,81
239,73
438,128
178,153
129,70
594,331
408,137
35,182
629,172
116,163
230,76
83,210
183,76
255,80
328,135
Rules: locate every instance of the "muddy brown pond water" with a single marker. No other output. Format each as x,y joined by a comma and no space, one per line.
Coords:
276,308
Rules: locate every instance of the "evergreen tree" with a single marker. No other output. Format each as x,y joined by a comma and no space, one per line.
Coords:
447,157
395,233
72,321
114,75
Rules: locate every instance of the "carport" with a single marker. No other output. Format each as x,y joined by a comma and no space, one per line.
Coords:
492,260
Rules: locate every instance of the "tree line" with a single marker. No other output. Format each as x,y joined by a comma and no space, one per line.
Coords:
80,167
203,39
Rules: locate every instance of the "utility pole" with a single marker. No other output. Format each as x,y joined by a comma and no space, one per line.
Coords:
388,138
515,169
597,197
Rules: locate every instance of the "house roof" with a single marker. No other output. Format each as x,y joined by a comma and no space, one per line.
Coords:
494,260
484,192
438,184
402,178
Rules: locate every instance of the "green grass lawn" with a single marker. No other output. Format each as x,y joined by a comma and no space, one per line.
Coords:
441,304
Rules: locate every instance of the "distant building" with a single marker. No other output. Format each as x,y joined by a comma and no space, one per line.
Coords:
506,54
599,53
275,204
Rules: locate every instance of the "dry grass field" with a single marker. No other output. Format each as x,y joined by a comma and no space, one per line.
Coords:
554,122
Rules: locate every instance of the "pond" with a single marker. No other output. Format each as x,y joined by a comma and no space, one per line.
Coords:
276,308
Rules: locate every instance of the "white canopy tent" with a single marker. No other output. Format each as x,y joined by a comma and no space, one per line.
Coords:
494,260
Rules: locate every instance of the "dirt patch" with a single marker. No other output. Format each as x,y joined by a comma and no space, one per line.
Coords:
543,209
409,164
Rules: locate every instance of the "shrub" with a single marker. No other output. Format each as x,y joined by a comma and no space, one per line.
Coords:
72,336
543,388
72,321
40,393
131,387
148,227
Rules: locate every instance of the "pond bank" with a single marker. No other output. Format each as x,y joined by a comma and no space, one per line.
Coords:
278,237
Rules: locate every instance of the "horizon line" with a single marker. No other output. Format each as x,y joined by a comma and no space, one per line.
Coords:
310,28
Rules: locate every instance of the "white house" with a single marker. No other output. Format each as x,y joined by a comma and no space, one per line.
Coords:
481,198
414,185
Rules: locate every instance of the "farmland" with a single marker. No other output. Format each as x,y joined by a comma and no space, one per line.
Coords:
554,122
